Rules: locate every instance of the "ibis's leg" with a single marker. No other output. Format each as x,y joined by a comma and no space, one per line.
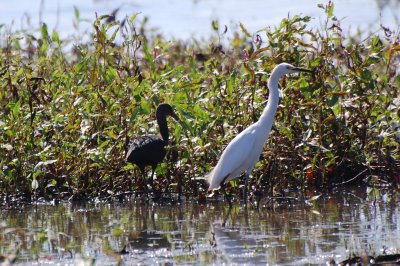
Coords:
153,169
142,171
246,184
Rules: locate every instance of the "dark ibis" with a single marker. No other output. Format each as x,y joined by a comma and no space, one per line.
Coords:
149,150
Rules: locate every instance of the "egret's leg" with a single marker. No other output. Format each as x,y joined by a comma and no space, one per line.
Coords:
228,199
225,194
246,184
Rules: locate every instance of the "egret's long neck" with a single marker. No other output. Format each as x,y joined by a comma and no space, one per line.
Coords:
267,117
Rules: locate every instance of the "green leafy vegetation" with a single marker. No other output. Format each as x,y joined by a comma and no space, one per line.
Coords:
69,107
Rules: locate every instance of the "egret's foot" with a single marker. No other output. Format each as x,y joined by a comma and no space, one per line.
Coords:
245,195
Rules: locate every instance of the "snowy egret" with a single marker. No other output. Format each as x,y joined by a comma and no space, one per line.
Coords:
150,149
243,152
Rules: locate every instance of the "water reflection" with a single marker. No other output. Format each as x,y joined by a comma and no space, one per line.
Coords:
330,228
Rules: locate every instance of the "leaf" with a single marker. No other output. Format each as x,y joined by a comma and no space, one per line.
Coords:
316,212
145,105
397,81
375,41
244,30
6,146
35,184
44,31
330,9
331,162
315,197
15,109
311,104
366,74
77,13
338,93
333,101
56,37
43,49
133,17
114,35
249,70
214,25
259,51
110,75
44,163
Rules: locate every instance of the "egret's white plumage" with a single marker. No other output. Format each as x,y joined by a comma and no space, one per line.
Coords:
243,152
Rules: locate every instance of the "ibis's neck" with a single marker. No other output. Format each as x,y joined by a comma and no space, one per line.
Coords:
267,117
162,124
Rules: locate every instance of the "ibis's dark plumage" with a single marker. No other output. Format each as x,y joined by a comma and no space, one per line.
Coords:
150,149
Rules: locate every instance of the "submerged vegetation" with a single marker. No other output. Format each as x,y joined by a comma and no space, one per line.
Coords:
70,107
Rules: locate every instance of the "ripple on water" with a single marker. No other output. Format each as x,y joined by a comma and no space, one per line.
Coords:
332,228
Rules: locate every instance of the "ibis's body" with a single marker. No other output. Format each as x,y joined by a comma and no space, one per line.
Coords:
150,150
147,150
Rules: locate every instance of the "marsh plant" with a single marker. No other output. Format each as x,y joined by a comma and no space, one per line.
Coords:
69,107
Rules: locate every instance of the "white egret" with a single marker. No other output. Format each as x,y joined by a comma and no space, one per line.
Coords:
243,152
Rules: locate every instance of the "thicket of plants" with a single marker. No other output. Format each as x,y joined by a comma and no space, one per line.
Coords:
70,107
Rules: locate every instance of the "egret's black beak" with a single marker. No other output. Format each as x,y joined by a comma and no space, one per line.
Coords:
299,69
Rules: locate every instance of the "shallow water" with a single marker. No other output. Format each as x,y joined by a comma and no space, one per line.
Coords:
279,233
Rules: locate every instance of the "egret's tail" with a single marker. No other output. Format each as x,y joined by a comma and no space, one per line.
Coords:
213,183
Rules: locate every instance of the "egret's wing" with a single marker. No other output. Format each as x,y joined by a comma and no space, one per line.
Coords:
235,157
